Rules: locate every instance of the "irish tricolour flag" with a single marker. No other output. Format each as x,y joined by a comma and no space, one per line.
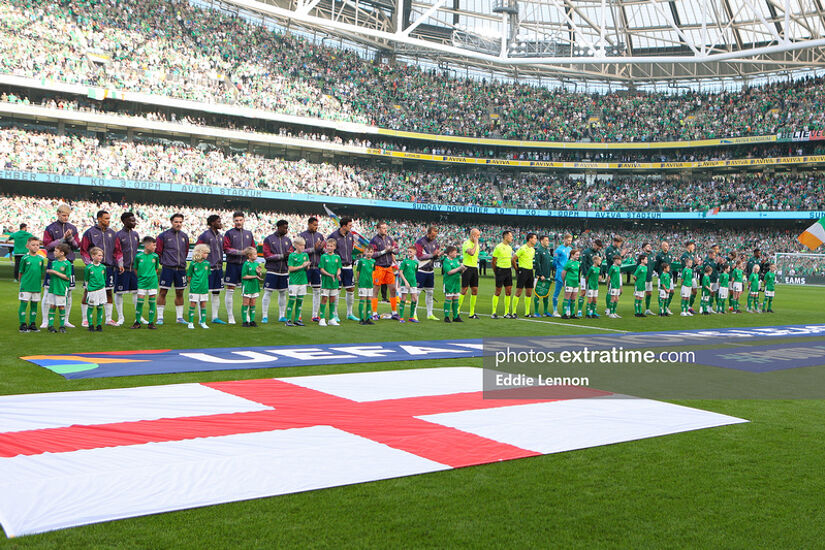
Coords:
814,236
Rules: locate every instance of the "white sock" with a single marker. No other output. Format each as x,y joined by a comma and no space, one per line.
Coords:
69,305
229,303
161,308
178,312
216,305
429,300
265,303
350,302
119,305
44,306
316,301
282,298
107,310
134,298
83,309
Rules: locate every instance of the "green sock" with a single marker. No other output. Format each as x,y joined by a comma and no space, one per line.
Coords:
299,306
514,303
495,304
401,309
692,299
290,306
750,301
323,310
447,303
648,297
203,313
251,313
21,311
607,301
99,315
51,317
332,308
62,317
473,298
244,314
546,301
455,308
770,303
638,305
90,316
581,302
139,309
413,306
32,312
191,314
153,309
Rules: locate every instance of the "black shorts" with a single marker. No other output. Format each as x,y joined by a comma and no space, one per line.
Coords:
504,277
469,277
524,279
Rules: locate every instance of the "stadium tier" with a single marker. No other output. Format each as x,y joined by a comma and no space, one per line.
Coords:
177,49
145,160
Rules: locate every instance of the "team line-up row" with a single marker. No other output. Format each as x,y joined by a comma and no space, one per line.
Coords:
147,268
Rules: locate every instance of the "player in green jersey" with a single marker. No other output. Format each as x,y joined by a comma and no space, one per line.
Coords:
586,263
570,275
614,285
707,291
298,281
32,267
687,285
95,280
640,286
365,267
146,266
738,278
251,278
198,275
592,283
330,266
60,277
724,287
665,288
451,269
753,290
409,286
770,289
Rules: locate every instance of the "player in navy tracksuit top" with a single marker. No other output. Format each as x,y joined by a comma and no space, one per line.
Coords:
60,232
314,248
103,237
173,247
276,248
214,240
234,242
125,276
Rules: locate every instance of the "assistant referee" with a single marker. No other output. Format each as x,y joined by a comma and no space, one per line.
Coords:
469,278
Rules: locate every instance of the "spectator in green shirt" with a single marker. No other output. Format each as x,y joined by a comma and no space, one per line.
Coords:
20,239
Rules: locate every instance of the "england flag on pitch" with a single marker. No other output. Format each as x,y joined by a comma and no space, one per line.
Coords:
74,458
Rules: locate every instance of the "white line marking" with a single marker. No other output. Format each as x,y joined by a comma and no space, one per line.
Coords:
560,324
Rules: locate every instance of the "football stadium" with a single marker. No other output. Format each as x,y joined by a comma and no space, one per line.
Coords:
412,273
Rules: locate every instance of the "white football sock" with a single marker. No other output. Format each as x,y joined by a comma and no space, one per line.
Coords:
265,303
178,312
107,310
119,305
282,298
83,309
216,305
229,303
429,300
316,301
350,302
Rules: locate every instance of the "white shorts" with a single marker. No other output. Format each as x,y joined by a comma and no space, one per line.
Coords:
253,295
770,293
592,292
330,291
365,292
96,297
408,290
29,296
147,292
199,298
570,289
714,287
58,301
638,293
456,295
686,291
648,286
723,292
663,293
615,291
297,290
737,287
754,293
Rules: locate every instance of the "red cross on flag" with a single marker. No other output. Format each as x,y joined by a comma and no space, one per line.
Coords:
74,458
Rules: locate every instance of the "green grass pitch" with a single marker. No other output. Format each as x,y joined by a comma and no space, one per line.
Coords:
756,484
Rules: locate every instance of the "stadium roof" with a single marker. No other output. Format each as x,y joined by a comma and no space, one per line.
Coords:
609,40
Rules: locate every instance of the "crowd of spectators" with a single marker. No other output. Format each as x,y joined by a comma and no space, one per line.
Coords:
176,162
173,48
38,212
